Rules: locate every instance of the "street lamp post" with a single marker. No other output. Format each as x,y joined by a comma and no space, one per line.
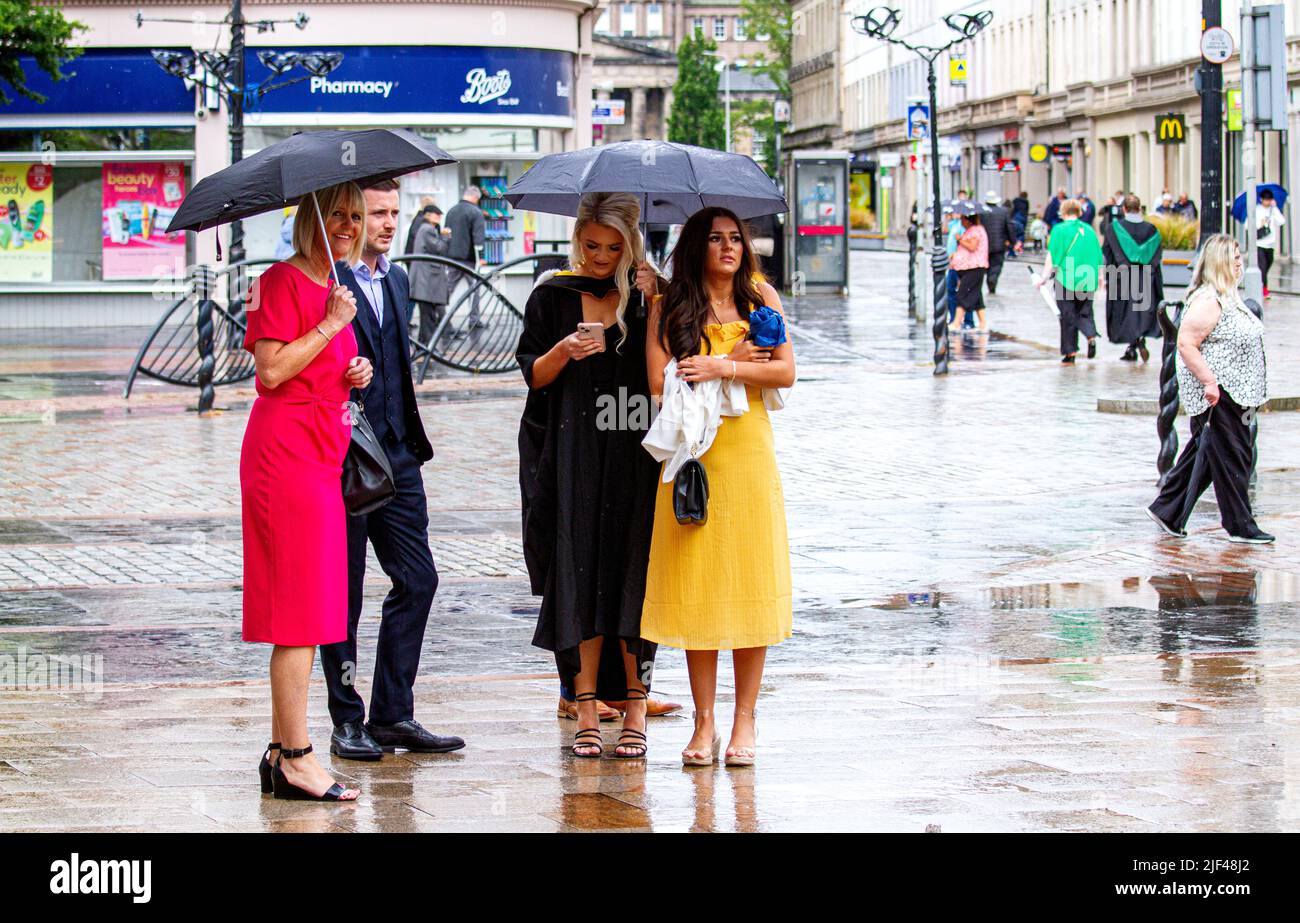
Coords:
880,23
231,85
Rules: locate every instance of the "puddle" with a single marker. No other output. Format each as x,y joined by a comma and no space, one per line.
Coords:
1163,593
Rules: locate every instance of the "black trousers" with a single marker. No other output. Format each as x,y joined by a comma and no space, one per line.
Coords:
1076,318
995,269
1265,262
430,316
1229,456
399,533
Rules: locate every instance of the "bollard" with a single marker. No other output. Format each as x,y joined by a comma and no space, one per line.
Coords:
939,263
912,233
1166,431
204,326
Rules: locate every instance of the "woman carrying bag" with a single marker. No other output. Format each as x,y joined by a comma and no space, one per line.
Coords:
1222,380
1074,264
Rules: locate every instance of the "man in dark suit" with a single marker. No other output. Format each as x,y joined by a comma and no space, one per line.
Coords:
398,531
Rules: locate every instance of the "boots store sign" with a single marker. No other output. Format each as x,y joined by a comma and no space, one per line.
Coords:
429,79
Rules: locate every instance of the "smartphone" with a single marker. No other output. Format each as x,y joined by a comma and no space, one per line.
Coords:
592,332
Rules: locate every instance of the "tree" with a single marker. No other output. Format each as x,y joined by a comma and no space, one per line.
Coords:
696,116
40,32
773,18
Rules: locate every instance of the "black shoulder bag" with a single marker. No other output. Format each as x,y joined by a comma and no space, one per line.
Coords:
367,476
691,494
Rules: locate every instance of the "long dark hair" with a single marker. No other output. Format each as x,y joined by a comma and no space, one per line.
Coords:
686,304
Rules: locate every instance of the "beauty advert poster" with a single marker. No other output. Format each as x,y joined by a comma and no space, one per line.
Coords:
26,222
139,202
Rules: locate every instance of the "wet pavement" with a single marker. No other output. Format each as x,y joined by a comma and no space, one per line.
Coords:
989,633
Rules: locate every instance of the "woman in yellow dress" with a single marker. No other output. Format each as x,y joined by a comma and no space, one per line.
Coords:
724,585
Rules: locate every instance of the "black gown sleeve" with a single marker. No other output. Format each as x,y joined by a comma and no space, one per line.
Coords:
537,337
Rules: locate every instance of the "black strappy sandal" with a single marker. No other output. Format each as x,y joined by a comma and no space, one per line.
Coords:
587,738
630,739
264,768
283,788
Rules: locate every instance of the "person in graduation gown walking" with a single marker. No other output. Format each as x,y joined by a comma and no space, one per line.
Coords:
588,486
1131,250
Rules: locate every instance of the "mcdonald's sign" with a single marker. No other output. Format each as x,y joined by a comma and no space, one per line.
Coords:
1171,128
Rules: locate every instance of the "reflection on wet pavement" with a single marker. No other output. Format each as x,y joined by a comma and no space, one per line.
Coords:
989,633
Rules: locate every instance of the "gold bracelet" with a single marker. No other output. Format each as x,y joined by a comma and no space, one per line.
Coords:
322,333
733,371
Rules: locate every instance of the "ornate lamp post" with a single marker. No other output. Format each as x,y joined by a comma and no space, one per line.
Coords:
880,23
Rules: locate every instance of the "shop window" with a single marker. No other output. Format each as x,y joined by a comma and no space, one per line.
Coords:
654,19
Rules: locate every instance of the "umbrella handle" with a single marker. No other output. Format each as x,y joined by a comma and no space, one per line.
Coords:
325,239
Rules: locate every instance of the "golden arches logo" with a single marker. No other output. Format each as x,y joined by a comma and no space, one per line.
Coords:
1170,129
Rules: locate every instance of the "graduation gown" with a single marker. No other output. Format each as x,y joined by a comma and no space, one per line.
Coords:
587,485
1135,284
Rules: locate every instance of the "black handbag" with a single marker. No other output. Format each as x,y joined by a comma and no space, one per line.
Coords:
691,494
367,476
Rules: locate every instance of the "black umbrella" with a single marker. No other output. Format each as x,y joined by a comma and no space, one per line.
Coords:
283,173
673,181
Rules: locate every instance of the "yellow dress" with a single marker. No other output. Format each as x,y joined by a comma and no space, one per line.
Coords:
725,584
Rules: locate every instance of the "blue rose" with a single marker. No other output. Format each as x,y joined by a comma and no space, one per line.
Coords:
766,327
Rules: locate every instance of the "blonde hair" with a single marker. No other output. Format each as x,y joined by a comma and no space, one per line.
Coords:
306,227
1213,267
619,211
1071,207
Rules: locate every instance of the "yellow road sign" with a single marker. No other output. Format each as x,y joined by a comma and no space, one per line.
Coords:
957,71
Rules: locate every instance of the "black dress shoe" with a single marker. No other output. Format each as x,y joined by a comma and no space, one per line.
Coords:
409,735
351,741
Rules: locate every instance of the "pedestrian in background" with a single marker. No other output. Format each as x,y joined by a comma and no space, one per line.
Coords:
468,229
953,225
1221,382
417,222
723,584
295,586
1020,218
997,225
1089,209
1074,266
1135,285
971,262
284,248
1268,222
1185,208
398,531
1166,206
1052,213
429,279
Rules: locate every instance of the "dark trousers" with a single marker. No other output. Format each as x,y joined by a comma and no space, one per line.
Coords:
995,269
951,279
430,317
399,533
1229,458
1265,262
1076,318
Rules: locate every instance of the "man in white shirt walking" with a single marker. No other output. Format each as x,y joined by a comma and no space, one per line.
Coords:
1268,223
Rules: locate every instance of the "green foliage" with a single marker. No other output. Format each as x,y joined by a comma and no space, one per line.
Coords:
696,116
775,19
40,32
1176,233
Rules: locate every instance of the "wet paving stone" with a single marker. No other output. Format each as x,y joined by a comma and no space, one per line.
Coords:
988,635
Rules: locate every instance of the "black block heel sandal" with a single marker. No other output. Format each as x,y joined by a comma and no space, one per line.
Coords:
587,738
629,739
264,768
283,788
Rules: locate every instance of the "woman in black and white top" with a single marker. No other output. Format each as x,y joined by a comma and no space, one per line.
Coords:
1221,382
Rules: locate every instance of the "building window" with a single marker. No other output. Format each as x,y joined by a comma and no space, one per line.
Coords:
698,25
763,36
602,24
654,19
740,29
719,28
627,19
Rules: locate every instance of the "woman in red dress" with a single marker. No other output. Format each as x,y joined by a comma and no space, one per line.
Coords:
295,525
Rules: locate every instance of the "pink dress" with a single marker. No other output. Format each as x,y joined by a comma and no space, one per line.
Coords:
295,525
